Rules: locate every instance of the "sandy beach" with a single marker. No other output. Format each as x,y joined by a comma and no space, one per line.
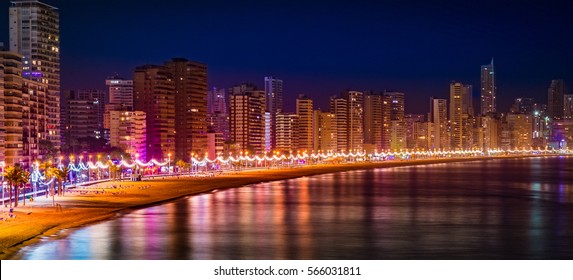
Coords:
105,200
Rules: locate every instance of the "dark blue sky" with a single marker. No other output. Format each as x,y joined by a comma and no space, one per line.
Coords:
323,47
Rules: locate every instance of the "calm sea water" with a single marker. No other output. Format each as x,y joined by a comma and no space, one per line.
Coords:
492,209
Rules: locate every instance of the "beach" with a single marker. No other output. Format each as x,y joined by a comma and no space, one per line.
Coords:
39,218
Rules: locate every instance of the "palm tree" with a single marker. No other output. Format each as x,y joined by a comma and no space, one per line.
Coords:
181,165
12,174
23,180
62,174
44,167
53,173
50,174
112,169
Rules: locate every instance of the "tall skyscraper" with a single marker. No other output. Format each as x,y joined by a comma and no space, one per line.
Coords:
128,132
491,126
274,102
339,109
460,114
304,111
324,131
190,79
286,131
247,118
555,96
83,115
394,130
438,118
523,105
373,121
36,122
416,131
120,92
355,112
11,87
568,106
154,94
217,112
35,34
488,89
520,126
216,101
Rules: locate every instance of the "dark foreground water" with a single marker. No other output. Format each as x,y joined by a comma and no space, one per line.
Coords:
493,209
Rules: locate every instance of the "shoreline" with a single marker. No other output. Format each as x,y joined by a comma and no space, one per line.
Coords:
39,219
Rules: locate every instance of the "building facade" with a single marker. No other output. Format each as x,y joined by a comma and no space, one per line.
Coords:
555,98
438,119
304,131
461,114
339,109
373,121
286,136
273,102
35,34
154,94
247,118
128,132
324,127
488,89
394,130
11,86
190,80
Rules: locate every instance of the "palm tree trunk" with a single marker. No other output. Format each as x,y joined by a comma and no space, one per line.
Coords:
10,194
16,196
24,195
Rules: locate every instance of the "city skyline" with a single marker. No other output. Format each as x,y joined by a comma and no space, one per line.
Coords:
371,46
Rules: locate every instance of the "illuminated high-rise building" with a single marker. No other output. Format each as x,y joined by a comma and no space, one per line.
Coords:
304,133
190,80
154,94
11,94
438,119
286,131
339,109
523,105
247,118
273,102
393,129
373,121
36,123
120,92
355,112
128,132
461,113
568,106
217,112
35,34
520,126
555,97
416,131
324,131
488,89
82,115
491,126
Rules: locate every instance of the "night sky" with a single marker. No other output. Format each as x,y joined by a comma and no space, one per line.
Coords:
322,48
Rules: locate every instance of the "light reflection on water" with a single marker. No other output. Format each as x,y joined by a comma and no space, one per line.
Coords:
502,209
